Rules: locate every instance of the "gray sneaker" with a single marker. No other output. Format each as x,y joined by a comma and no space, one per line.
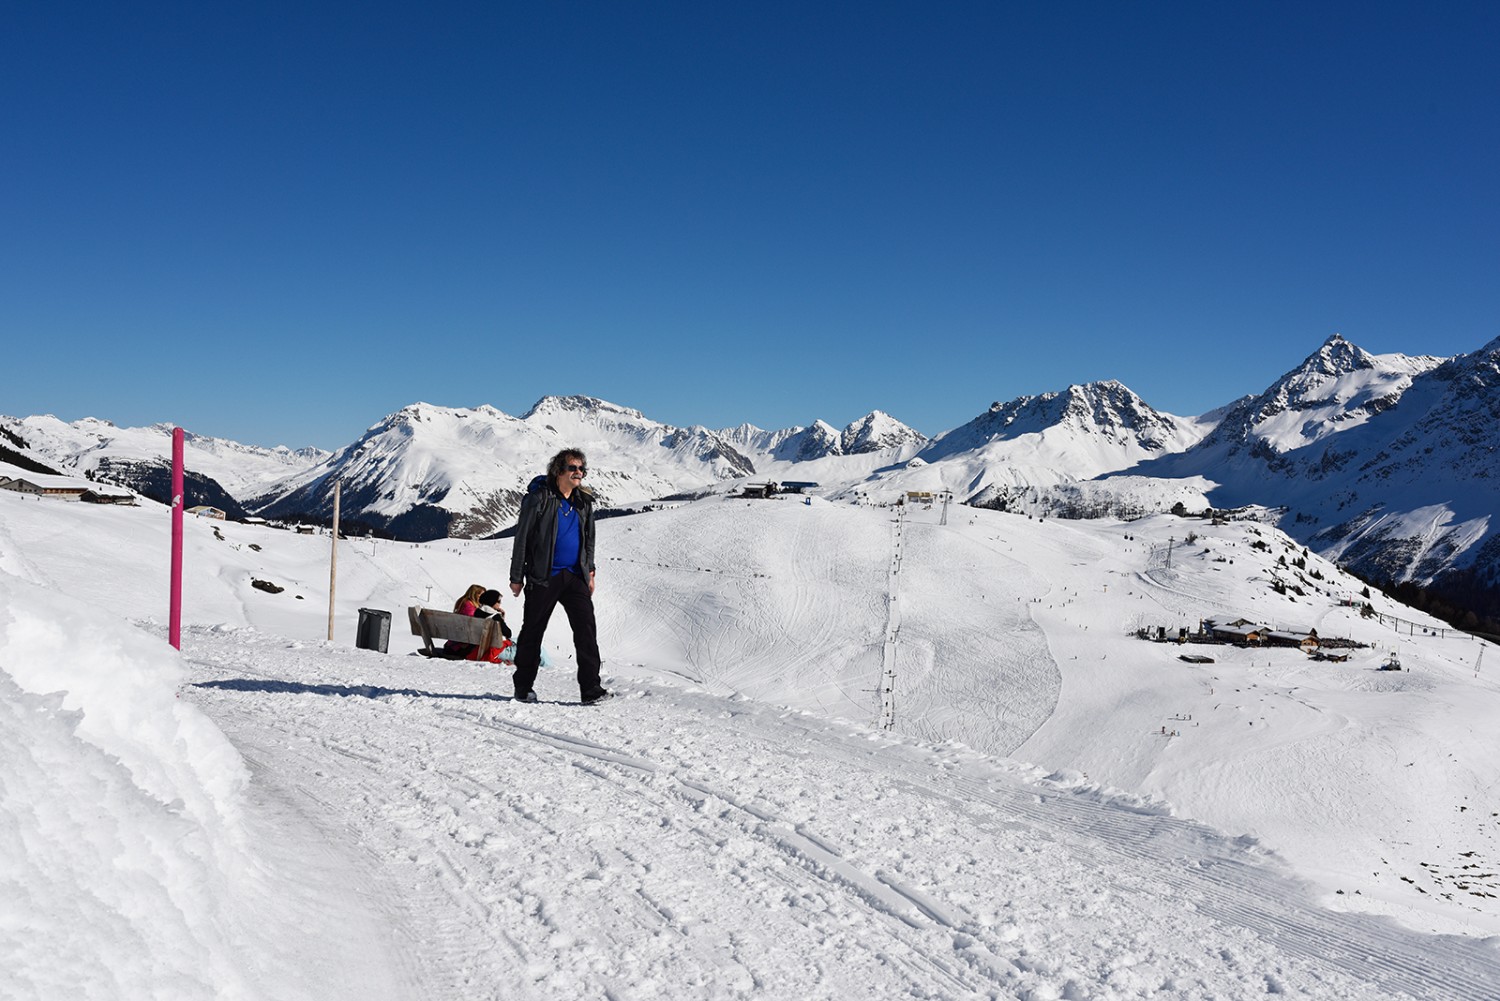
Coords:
526,696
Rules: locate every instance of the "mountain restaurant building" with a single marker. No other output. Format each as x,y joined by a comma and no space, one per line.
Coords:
1238,631
43,484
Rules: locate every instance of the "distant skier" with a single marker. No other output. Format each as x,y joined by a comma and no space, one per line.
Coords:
553,559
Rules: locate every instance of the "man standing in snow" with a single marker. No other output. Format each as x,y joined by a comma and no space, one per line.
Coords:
553,559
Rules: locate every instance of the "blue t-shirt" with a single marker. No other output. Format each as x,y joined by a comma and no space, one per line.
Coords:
567,551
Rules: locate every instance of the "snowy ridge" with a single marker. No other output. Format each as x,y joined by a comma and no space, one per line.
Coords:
92,445
1108,412
1383,461
429,472
1336,389
1380,460
749,439
877,431
1040,441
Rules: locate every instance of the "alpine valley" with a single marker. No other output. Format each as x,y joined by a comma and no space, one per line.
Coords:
1386,464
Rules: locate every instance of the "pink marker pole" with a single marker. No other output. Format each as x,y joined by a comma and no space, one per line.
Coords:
174,622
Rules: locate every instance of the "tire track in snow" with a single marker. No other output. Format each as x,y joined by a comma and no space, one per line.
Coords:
885,899
1217,879
886,895
886,868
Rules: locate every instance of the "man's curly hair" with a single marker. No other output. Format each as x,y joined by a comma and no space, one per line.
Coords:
559,463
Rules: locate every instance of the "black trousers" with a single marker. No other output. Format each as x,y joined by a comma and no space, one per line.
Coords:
571,592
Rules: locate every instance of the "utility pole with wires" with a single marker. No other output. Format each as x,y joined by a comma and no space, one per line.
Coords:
893,626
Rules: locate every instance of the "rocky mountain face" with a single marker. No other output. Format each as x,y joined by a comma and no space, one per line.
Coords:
1415,493
1335,390
750,440
815,442
1040,441
1382,462
429,472
877,431
1104,417
217,471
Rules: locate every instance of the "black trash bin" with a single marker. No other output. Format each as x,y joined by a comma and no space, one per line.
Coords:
374,629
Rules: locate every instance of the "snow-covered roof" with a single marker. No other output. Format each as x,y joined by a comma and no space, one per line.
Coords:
45,481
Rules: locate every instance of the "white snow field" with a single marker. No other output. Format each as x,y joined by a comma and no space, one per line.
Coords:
856,754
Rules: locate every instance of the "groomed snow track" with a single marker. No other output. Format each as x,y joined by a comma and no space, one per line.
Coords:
681,845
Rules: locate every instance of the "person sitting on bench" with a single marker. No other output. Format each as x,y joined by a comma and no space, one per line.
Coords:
482,604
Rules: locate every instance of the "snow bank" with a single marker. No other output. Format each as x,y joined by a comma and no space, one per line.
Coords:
120,814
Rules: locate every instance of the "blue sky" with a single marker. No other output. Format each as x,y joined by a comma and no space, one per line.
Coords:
279,222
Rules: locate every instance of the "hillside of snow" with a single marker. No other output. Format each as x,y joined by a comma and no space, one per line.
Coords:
859,752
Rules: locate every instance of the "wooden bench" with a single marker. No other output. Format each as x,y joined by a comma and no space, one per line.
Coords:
431,624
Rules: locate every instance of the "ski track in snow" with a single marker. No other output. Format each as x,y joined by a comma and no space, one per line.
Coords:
676,844
423,837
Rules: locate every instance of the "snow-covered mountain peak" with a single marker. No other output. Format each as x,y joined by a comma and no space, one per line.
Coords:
877,431
429,471
96,423
1336,388
1337,356
1073,434
1108,408
750,439
583,407
415,416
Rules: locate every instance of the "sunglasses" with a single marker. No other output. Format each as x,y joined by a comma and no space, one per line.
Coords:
573,467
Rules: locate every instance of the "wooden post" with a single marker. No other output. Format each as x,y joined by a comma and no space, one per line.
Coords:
333,558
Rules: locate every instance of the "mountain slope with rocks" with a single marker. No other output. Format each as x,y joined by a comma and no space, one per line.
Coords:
428,472
1384,462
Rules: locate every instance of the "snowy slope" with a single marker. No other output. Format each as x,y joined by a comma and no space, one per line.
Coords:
430,839
693,840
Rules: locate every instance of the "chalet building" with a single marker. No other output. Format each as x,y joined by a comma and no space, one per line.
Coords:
1307,641
43,484
1237,631
58,487
105,495
205,511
